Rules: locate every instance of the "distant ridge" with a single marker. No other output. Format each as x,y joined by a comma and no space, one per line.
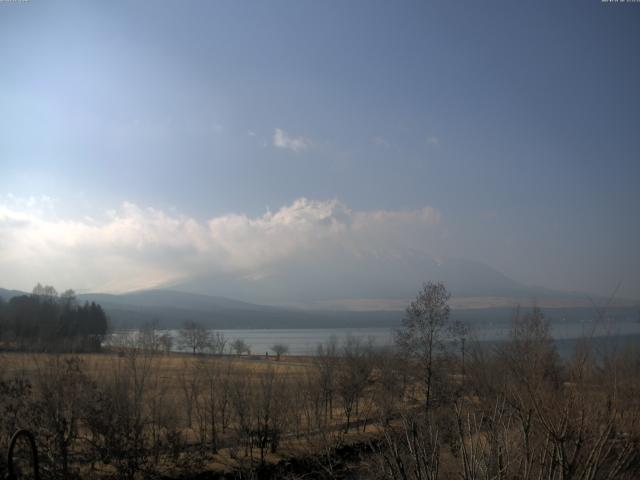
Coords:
170,299
370,277
7,295
169,308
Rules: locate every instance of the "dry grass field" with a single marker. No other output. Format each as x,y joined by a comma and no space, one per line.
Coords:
256,407
517,411
97,364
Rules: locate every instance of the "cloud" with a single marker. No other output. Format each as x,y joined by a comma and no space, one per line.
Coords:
133,247
281,139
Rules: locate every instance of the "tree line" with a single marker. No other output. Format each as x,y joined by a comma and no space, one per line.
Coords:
192,337
46,320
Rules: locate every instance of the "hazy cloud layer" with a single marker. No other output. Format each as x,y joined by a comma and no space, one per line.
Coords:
134,247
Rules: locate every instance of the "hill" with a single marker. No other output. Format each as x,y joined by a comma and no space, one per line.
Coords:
170,308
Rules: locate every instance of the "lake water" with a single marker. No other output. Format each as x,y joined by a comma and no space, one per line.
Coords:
305,341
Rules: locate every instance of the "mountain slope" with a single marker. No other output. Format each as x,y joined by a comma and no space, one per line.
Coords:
169,299
7,295
368,276
171,308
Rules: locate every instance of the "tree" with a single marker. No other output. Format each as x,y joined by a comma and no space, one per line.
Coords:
193,336
46,293
44,320
240,346
2,320
353,376
68,300
390,384
218,342
93,322
212,401
166,342
424,331
280,349
148,338
530,354
325,361
61,386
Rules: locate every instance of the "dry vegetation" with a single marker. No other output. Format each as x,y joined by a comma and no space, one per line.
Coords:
136,412
426,411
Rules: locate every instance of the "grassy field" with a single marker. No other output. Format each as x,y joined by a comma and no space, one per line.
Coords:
28,364
178,399
356,412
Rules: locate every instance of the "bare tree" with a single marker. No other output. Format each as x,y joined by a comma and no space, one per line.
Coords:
425,329
213,398
68,299
530,354
533,418
116,419
409,452
194,337
353,376
61,385
280,349
390,384
326,362
165,341
240,346
190,385
217,343
19,410
270,405
47,292
148,338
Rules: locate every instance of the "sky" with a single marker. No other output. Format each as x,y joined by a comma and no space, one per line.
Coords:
153,143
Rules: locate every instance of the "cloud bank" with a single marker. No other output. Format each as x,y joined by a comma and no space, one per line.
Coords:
133,247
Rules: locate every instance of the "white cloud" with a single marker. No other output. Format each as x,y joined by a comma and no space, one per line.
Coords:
134,247
281,139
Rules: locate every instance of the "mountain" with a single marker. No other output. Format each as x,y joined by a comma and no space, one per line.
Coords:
170,308
369,289
345,281
7,295
364,278
169,299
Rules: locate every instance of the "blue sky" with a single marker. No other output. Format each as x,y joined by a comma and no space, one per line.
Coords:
516,123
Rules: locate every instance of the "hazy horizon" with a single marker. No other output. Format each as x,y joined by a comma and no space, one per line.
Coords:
321,153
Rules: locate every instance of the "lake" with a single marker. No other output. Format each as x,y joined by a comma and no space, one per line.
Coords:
305,341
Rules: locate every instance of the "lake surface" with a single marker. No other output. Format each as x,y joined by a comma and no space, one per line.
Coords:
305,341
